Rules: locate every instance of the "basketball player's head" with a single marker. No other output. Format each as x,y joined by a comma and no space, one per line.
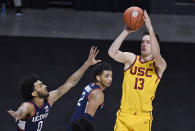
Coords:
31,87
146,45
102,73
82,125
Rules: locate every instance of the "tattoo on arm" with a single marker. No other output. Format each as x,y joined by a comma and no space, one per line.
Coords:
75,81
58,93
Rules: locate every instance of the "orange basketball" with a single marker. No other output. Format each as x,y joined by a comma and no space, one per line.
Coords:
133,17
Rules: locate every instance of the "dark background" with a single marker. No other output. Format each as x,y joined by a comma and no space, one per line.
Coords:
178,7
56,59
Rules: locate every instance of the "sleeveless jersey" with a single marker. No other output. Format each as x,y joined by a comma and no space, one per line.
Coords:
139,86
35,122
83,101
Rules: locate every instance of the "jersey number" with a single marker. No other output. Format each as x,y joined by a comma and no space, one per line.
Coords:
40,125
141,83
82,97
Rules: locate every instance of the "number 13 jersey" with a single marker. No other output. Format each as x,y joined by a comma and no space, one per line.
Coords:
139,86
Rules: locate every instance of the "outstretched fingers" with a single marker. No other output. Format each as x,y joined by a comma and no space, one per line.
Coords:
12,113
95,49
96,52
93,53
91,50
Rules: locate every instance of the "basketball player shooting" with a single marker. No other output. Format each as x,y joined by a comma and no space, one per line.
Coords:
142,74
33,112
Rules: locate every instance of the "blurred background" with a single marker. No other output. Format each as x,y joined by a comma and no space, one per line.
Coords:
52,38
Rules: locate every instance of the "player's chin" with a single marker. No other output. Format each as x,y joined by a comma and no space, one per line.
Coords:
144,52
109,84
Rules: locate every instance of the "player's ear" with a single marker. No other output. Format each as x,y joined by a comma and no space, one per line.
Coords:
34,93
98,78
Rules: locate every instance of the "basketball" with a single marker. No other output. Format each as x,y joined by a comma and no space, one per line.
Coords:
133,17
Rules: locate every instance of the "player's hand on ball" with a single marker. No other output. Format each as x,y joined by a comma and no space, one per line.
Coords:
129,30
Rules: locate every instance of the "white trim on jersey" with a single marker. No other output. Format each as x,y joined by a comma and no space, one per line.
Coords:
88,88
86,107
21,124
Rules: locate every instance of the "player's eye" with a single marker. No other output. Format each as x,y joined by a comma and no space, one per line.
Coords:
107,76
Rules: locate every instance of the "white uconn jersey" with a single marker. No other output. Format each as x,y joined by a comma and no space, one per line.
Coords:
35,122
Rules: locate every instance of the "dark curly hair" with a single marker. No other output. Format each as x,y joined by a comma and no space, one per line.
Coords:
82,125
27,86
99,68
157,36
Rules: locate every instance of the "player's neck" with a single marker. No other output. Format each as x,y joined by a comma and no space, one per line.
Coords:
102,87
145,58
38,101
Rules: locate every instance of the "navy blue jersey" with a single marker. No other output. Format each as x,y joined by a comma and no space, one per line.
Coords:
35,122
83,101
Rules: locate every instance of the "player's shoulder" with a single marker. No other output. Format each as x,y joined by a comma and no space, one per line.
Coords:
131,57
131,60
97,93
160,66
97,96
28,106
129,54
88,88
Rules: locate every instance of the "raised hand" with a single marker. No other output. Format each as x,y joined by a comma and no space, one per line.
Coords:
92,54
147,20
13,114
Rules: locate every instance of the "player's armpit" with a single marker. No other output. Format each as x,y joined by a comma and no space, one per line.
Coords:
160,65
54,96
